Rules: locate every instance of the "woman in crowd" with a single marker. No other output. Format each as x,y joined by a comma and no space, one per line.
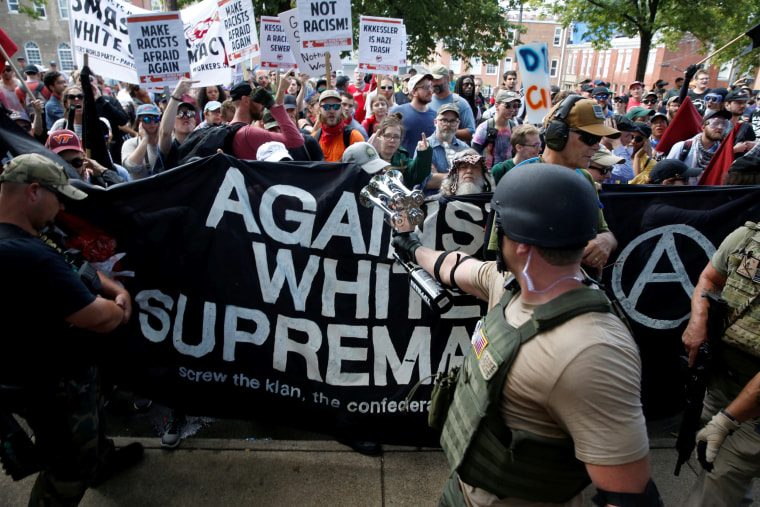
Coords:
643,159
385,89
659,123
209,94
312,113
387,141
378,106
73,107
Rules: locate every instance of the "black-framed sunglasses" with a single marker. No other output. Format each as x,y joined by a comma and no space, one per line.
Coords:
55,191
603,170
327,107
79,96
76,163
649,101
586,138
386,87
186,114
638,139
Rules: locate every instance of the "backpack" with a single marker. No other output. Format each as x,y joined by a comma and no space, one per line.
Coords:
346,135
492,132
205,141
685,149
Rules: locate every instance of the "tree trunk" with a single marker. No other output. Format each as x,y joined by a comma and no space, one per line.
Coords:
646,42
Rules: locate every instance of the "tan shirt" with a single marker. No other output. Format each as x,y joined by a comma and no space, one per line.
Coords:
581,379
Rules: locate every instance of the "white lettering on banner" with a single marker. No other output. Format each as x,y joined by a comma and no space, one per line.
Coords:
289,333
271,287
665,246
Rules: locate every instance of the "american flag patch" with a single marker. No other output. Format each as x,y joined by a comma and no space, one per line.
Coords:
479,343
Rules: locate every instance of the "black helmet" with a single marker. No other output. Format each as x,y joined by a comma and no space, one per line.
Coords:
546,205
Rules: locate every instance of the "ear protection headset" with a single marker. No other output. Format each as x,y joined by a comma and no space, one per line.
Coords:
558,131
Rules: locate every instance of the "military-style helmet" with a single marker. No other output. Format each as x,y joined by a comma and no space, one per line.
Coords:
546,205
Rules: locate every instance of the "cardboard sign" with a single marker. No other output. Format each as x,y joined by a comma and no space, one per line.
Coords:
325,25
275,47
159,48
311,63
238,30
533,62
380,44
403,50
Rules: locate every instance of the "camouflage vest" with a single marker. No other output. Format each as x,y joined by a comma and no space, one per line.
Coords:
741,293
480,447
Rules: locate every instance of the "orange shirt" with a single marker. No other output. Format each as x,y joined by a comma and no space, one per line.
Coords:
335,149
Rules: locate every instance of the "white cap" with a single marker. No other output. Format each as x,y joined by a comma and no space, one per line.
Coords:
272,152
366,156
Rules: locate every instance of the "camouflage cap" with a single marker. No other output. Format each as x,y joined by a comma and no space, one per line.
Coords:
37,168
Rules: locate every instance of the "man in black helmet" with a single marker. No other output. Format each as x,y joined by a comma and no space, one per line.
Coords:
553,367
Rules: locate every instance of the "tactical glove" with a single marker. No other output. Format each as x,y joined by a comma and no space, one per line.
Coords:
405,244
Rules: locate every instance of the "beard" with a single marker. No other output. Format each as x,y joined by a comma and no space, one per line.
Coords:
470,187
714,135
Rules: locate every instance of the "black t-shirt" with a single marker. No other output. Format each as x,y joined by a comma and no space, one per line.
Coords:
39,291
698,99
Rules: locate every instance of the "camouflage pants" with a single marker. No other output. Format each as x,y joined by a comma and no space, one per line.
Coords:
68,432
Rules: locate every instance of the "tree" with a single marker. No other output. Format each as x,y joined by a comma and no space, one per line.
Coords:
668,19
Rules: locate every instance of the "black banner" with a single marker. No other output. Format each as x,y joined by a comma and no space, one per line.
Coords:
266,290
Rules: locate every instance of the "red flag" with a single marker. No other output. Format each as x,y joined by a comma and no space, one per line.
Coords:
721,161
686,124
8,46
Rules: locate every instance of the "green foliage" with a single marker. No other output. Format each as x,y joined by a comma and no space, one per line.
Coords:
31,11
713,23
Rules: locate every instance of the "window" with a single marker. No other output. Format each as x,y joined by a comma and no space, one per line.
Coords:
583,63
553,68
508,64
455,66
575,63
557,35
651,57
63,9
33,56
65,59
599,62
606,63
491,69
618,62
627,64
476,66
40,10
13,6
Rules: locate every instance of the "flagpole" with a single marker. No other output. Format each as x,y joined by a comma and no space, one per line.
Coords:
721,49
20,76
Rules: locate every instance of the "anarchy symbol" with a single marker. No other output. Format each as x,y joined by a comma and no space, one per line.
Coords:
665,246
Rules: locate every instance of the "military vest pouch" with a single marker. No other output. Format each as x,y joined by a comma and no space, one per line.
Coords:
741,291
441,397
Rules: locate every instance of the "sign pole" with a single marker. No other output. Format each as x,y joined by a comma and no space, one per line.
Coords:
327,70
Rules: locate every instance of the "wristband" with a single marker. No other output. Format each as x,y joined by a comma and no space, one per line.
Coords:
730,417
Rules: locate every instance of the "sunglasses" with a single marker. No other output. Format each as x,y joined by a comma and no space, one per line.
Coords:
603,170
638,139
586,138
386,87
328,107
601,96
78,96
186,114
713,98
320,90
649,101
511,105
76,163
151,119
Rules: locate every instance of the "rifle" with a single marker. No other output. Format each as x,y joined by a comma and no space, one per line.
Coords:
18,455
699,376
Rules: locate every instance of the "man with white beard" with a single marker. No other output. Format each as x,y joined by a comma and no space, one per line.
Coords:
467,175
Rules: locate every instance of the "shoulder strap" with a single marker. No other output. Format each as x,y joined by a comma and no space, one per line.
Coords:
685,149
319,134
347,136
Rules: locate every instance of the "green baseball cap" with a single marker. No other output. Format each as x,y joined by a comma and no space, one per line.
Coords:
36,168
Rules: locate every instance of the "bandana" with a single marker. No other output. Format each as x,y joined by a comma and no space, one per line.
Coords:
467,159
328,133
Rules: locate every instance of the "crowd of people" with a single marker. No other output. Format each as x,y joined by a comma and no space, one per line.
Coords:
447,139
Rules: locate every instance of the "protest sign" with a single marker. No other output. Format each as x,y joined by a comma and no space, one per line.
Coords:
98,29
402,49
204,34
380,44
311,63
325,24
534,71
239,30
159,49
275,47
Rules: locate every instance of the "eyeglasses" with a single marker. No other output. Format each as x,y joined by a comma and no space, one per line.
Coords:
76,163
328,107
78,96
586,138
186,114
713,98
513,105
444,121
151,119
649,101
426,87
601,96
386,87
603,170
536,146
718,122
391,138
